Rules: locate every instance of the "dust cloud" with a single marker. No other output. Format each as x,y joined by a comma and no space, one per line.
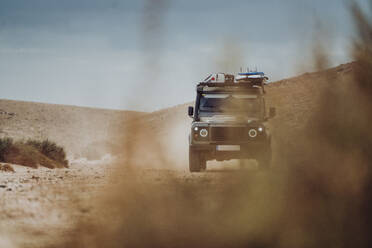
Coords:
317,195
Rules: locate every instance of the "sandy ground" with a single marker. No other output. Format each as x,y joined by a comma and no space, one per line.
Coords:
40,206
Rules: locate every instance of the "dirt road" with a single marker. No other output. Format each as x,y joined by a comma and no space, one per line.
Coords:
41,207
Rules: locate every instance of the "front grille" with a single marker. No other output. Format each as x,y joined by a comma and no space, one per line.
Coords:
228,133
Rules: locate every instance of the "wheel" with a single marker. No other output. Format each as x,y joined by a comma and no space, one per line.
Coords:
196,161
264,159
243,163
203,164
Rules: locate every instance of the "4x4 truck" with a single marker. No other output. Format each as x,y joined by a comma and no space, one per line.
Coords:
230,121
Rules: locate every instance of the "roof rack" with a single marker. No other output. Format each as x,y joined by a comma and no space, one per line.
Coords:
222,87
237,85
244,85
246,80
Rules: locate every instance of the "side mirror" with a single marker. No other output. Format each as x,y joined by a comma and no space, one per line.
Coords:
272,112
191,111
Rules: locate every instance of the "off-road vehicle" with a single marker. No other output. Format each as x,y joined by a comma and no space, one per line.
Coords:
230,121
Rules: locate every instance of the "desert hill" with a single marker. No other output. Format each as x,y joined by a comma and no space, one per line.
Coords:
75,128
297,98
91,131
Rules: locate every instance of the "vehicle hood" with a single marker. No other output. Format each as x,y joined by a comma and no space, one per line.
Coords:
227,119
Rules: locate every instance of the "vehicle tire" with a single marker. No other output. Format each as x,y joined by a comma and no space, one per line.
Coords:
264,160
196,162
203,164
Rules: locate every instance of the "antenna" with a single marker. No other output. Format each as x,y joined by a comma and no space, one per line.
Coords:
241,69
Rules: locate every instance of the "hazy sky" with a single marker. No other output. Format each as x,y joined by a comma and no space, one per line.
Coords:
146,55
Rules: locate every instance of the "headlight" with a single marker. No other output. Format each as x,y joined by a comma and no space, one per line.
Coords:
252,133
260,129
203,133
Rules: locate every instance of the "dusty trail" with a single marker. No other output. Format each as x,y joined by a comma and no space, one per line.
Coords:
40,207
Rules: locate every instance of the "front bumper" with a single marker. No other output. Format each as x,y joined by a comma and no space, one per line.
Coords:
247,149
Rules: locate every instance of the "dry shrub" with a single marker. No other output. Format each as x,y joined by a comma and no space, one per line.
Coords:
50,149
5,145
6,168
32,153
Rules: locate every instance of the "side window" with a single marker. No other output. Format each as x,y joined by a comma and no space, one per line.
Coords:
197,105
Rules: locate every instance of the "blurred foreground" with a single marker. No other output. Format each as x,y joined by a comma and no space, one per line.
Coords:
318,193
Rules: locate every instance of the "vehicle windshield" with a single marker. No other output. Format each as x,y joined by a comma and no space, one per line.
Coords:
242,104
